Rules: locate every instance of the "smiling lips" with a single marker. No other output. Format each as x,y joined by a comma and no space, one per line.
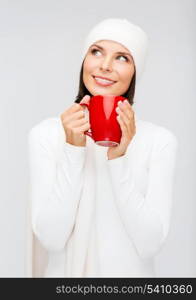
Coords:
103,81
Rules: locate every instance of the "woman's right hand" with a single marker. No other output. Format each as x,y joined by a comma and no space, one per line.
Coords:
75,123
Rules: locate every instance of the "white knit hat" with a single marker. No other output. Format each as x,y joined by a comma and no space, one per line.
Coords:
122,31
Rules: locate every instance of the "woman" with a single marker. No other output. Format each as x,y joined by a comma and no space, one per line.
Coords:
101,211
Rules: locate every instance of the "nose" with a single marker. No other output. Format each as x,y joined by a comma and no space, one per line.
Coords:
106,64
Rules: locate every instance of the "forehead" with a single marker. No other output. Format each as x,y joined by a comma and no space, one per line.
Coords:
112,46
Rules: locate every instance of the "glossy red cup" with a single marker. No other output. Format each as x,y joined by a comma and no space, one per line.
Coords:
105,129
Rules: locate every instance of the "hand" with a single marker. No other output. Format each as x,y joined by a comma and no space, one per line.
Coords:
126,121
75,123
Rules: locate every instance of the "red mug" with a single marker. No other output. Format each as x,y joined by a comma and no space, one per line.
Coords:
105,129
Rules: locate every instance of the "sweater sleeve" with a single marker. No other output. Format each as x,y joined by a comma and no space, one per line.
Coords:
55,189
146,217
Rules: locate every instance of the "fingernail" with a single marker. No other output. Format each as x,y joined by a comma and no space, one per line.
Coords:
117,109
119,102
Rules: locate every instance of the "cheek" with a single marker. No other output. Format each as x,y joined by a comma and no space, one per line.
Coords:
89,65
86,68
126,75
88,71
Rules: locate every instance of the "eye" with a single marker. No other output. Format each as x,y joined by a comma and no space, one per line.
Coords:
124,57
95,51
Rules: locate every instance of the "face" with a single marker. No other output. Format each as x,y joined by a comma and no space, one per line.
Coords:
108,68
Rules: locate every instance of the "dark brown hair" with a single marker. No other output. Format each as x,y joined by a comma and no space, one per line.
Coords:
129,95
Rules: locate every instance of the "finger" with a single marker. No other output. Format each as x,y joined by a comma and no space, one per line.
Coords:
122,125
85,99
126,107
78,123
74,116
127,131
123,116
82,128
74,108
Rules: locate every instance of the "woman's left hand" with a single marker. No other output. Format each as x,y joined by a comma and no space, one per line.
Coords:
126,121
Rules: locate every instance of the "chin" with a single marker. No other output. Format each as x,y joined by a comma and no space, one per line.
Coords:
102,91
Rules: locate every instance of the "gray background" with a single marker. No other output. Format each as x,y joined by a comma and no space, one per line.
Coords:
40,47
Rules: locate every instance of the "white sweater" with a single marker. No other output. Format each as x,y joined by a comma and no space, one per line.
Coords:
98,217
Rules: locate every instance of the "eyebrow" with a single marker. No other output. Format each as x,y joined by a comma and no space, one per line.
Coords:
122,53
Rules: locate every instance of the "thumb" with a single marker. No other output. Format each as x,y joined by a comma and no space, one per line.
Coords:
85,99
